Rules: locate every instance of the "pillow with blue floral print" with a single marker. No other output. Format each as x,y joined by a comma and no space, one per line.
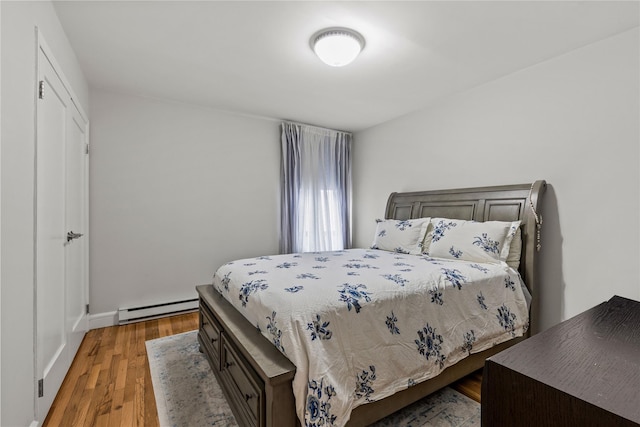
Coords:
401,236
486,242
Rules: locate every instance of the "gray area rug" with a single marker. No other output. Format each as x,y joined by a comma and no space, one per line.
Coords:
188,395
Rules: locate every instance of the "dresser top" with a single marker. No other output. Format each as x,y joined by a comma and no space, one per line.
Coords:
594,356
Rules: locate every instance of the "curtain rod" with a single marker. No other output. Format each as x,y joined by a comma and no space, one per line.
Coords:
317,127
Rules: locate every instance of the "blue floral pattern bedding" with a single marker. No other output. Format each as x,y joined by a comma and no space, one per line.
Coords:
362,324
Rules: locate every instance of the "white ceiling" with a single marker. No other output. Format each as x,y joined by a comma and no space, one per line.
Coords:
254,57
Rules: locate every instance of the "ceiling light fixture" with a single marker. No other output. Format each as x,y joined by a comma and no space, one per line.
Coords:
337,46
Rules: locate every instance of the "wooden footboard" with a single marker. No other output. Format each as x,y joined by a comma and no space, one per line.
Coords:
255,377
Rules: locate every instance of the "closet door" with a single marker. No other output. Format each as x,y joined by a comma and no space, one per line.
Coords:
76,220
61,262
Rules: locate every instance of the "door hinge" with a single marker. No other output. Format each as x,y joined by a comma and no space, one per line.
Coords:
41,89
87,308
41,387
86,149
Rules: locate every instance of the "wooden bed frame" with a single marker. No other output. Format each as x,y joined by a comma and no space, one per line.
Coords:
256,378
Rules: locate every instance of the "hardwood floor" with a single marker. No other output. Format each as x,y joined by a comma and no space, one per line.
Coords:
470,385
109,383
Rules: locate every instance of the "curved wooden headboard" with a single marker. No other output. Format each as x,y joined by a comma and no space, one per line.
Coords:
501,203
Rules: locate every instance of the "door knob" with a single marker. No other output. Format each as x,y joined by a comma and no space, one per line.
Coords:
71,235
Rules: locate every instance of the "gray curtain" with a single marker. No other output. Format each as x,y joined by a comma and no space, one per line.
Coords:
316,189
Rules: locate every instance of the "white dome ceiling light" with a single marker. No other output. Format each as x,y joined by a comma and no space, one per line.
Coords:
337,46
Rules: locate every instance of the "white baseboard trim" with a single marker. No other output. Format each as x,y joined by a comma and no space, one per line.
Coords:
103,320
34,423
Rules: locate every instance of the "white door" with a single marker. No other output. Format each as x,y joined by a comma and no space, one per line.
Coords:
61,263
76,250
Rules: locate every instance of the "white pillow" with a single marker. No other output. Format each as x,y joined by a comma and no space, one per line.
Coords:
472,241
515,250
402,236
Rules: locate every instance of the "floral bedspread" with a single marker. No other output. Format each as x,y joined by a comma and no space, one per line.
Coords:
362,324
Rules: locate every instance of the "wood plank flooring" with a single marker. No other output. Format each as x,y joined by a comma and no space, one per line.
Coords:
109,383
470,385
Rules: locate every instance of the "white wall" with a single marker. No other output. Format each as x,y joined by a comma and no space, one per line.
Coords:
0,214
19,20
573,121
176,191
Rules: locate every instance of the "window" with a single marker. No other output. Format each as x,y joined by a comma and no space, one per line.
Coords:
316,189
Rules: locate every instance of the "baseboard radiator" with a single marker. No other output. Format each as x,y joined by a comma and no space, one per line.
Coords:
154,311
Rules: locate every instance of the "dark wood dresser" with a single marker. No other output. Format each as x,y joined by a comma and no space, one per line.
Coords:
582,372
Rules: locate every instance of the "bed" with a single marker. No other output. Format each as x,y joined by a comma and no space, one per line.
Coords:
249,345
